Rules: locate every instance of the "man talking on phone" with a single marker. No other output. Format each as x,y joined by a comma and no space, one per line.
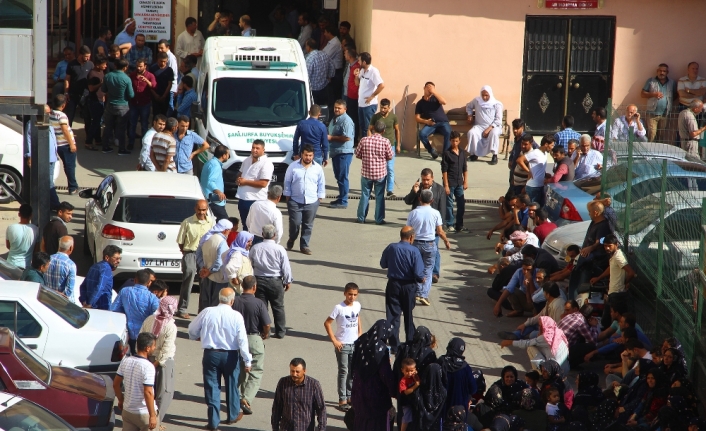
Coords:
426,182
429,112
623,124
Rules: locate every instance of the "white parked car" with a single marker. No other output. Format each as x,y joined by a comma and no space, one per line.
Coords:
12,157
61,332
140,212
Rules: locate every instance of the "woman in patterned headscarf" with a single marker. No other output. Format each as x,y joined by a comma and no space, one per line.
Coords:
373,383
162,325
511,387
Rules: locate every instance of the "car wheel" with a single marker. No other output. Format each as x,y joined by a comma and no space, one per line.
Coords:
13,180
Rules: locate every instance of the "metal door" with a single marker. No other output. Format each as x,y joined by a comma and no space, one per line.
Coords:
568,66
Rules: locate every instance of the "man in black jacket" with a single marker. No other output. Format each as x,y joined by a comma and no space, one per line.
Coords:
426,181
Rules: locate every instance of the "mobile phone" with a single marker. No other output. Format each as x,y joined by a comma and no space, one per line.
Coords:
419,179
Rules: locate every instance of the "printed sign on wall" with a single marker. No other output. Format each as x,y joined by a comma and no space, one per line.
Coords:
153,18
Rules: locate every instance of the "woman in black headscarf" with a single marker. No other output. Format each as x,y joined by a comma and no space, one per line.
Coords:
588,393
553,376
428,405
420,349
461,384
672,364
674,343
635,393
455,419
652,401
511,388
373,381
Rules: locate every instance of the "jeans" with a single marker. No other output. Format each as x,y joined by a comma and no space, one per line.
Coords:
216,364
536,194
400,299
437,259
341,166
364,116
172,99
94,116
444,128
250,382
319,160
115,120
366,186
527,332
219,211
69,161
271,291
71,106
188,270
457,193
345,372
391,171
352,111
301,215
428,250
141,113
244,210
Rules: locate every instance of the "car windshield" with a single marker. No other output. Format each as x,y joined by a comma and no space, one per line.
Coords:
258,102
70,312
154,210
17,414
36,365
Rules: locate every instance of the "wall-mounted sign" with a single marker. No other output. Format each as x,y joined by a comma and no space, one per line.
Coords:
572,4
153,18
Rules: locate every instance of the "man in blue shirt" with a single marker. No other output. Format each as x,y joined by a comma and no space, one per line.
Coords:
185,96
405,269
312,131
567,132
304,187
516,291
137,303
341,132
212,182
60,72
97,288
185,142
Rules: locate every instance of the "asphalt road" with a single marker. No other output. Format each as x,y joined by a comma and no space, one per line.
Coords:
343,251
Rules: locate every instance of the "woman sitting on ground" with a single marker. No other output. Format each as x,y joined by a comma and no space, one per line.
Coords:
511,387
550,344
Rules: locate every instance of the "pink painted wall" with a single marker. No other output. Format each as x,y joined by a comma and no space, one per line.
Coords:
462,45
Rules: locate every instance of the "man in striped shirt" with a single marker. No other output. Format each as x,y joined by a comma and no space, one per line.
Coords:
163,149
136,374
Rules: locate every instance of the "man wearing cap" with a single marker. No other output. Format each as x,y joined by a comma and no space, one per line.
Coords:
126,38
427,223
208,260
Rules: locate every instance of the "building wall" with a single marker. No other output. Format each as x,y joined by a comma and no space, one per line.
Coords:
359,14
463,45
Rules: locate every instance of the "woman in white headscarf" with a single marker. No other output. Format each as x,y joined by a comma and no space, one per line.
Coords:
162,325
486,115
236,264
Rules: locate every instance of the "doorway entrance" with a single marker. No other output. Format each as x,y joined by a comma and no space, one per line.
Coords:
568,70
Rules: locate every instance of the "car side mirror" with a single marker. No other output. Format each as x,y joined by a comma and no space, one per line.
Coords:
86,194
196,111
324,115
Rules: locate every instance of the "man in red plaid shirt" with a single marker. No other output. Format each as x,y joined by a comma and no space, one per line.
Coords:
374,151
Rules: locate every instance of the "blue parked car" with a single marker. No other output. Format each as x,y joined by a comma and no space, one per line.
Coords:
566,201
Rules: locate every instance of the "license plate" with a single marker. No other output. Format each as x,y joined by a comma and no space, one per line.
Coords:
274,178
161,263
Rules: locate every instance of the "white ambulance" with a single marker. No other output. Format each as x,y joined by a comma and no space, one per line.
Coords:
251,88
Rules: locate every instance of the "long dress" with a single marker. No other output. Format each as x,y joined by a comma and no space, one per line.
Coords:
371,398
486,114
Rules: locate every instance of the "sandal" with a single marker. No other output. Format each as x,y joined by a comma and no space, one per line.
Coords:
90,147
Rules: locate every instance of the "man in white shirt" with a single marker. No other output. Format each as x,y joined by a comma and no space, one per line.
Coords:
623,124
535,162
586,159
599,116
253,179
335,52
190,41
306,28
224,340
427,223
370,84
136,374
266,212
144,163
620,274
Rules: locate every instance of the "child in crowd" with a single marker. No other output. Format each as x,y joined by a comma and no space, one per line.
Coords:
532,380
408,384
555,418
348,329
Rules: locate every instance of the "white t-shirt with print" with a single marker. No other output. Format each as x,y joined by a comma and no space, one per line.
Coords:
346,318
369,81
